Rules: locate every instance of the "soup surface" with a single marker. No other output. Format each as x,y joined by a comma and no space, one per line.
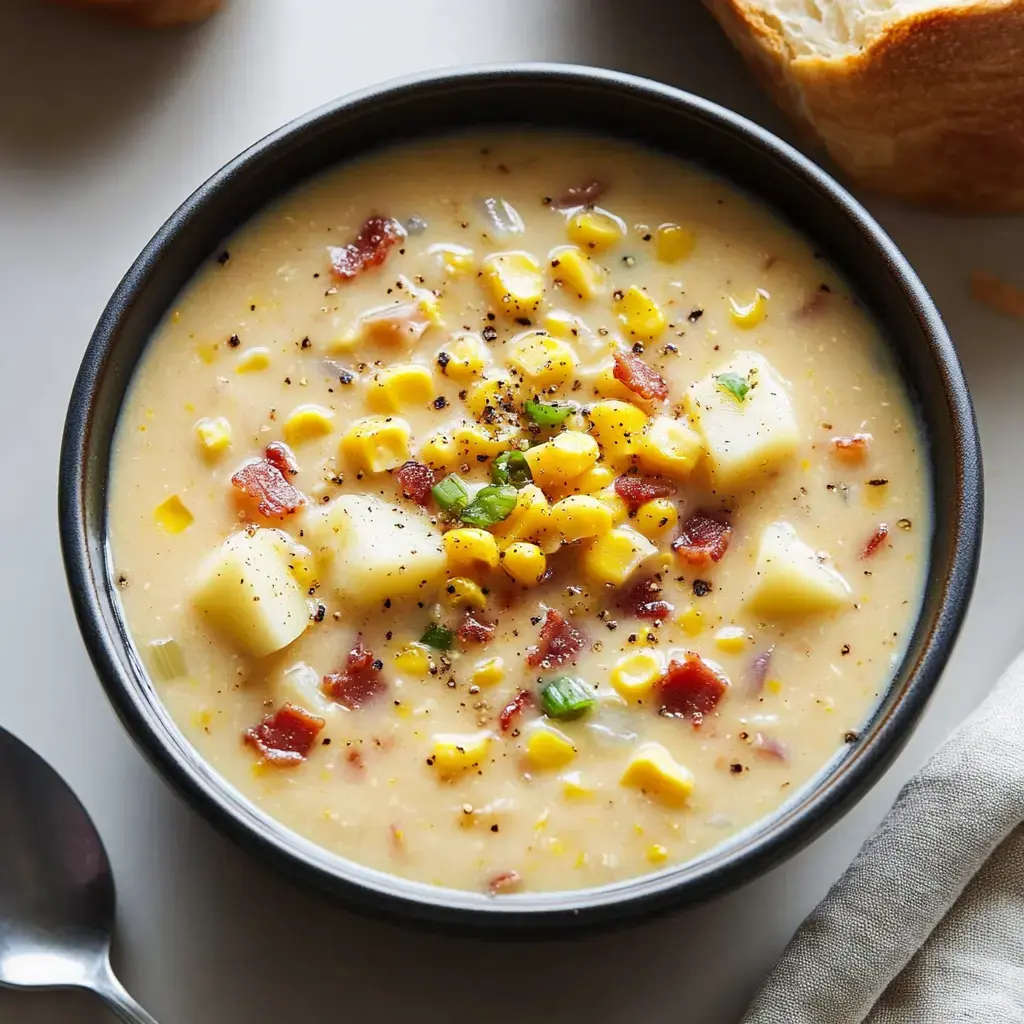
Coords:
519,512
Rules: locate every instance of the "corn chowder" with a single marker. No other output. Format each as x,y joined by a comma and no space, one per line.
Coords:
519,513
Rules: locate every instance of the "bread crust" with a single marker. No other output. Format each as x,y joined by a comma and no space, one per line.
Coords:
931,110
148,13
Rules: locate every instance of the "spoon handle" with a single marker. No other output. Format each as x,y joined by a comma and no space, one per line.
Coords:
116,996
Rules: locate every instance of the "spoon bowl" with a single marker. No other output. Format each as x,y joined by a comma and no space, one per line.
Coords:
57,900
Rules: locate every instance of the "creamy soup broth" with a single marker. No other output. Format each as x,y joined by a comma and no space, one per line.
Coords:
798,446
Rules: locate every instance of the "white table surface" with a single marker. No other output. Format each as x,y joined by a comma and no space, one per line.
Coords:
102,133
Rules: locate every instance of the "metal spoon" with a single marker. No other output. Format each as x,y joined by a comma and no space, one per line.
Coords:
56,886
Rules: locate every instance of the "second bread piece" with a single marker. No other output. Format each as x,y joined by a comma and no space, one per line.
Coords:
920,99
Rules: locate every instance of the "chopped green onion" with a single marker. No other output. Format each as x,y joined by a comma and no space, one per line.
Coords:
566,697
547,414
511,468
451,494
168,659
735,384
438,637
490,506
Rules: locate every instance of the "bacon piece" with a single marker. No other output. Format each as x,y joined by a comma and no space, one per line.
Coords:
522,700
703,540
637,490
757,673
560,641
474,631
852,449
643,600
576,196
286,737
690,688
278,454
360,680
370,248
415,479
266,484
876,540
640,378
504,882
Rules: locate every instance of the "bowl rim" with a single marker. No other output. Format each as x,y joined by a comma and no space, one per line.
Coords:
385,895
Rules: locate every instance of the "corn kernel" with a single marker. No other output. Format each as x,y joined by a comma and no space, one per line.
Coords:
524,563
306,422
530,520
438,451
562,324
615,503
493,395
172,516
488,672
656,853
463,593
214,436
399,387
547,748
515,281
456,260
454,753
618,428
377,443
669,446
731,639
657,775
413,660
773,686
597,478
595,229
692,621
464,357
580,516
545,361
753,313
613,558
469,548
607,385
252,360
475,443
564,457
641,316
656,517
574,270
634,675
573,787
673,243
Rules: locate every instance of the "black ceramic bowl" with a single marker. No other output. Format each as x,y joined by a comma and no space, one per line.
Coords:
554,97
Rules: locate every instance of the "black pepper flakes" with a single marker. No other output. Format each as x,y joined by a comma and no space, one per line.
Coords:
489,333
695,315
845,649
306,343
736,768
345,377
234,341
701,588
440,402
850,737
223,257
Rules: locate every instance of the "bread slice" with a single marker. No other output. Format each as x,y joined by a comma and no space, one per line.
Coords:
921,99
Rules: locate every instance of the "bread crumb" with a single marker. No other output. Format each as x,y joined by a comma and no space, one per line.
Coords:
997,294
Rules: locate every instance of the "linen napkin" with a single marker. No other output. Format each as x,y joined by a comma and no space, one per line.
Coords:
927,925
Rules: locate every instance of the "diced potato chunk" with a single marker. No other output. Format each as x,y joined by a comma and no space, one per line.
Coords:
618,428
639,314
669,447
306,423
376,444
399,322
543,360
744,438
613,558
515,281
399,387
371,550
562,324
790,579
731,639
656,773
245,590
565,456
454,753
581,516
576,271
595,229
300,684
548,748
214,436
